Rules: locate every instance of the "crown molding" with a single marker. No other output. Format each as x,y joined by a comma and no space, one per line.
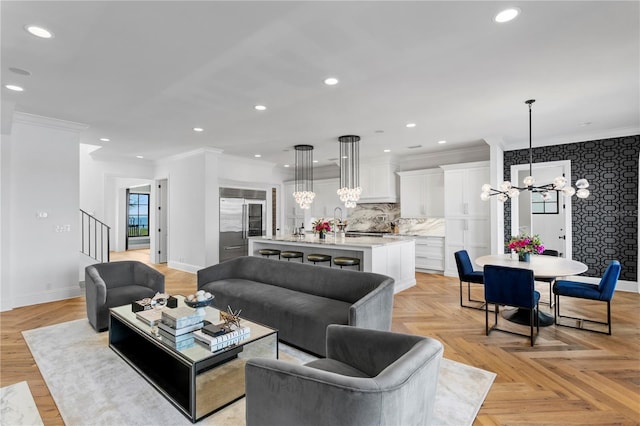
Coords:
48,122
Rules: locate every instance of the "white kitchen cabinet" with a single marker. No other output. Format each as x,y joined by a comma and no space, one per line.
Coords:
293,214
378,181
430,253
422,193
466,215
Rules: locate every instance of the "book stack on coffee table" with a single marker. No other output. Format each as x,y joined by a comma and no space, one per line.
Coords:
176,326
217,338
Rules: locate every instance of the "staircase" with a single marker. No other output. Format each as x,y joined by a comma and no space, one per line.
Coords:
95,237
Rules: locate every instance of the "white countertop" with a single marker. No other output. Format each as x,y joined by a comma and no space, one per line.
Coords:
354,242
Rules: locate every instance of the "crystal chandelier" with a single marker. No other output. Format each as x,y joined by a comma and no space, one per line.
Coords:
506,190
304,194
350,190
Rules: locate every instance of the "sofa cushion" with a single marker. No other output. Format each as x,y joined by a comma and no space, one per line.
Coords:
299,317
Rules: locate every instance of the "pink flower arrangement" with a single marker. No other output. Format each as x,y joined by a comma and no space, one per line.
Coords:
322,226
526,244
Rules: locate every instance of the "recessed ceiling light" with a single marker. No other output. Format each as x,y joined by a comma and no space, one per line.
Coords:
286,165
14,87
442,142
198,129
315,161
410,125
331,81
139,156
19,71
507,15
105,139
257,155
260,107
39,31
387,150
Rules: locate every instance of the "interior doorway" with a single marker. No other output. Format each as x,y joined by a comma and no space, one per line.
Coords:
138,200
550,219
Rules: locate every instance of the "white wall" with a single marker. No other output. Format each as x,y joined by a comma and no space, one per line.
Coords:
5,288
43,179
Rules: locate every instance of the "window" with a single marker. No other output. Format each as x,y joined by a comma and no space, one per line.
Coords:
138,215
540,206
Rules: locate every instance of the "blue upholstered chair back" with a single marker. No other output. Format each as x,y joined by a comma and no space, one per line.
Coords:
509,286
463,263
609,280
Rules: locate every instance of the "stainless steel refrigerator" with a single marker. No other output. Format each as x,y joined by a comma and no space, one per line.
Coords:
242,215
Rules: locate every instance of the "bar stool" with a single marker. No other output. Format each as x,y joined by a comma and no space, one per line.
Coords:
290,254
269,252
347,261
318,258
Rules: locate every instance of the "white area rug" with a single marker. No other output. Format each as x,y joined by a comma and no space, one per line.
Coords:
17,406
91,385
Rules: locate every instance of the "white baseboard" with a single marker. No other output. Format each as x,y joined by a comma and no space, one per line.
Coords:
185,267
47,296
403,285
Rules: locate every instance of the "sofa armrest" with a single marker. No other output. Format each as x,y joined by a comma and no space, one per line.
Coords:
374,310
95,287
215,272
281,393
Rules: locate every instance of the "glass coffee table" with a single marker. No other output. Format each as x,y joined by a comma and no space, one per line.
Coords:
195,380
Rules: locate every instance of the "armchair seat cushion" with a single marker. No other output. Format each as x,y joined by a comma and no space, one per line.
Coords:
577,289
473,277
126,294
333,366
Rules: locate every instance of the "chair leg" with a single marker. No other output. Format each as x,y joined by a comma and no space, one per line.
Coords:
609,315
486,319
461,294
531,311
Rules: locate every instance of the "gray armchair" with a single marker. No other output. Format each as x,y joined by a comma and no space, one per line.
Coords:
369,377
108,285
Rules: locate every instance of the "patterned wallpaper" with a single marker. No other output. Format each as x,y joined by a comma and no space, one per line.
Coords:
605,225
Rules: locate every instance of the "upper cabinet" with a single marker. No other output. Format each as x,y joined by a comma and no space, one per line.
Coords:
422,193
463,183
378,181
467,224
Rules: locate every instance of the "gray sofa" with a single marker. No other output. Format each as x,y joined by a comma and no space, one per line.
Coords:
108,285
369,377
300,300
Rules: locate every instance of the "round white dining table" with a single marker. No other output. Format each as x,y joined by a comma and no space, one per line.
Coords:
542,267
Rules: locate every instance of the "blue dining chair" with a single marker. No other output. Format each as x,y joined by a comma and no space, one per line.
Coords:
601,292
468,275
515,287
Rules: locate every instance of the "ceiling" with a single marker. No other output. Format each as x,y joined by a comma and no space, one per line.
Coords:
144,74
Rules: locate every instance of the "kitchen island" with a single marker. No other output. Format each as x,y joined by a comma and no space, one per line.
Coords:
394,257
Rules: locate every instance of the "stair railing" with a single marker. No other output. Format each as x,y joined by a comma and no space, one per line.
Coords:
95,237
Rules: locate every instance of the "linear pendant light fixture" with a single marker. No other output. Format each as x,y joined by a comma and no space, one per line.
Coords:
350,190
304,194
507,190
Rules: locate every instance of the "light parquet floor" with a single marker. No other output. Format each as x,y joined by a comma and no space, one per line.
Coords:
569,376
